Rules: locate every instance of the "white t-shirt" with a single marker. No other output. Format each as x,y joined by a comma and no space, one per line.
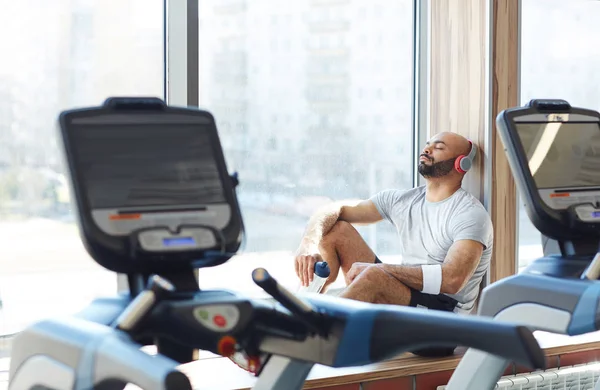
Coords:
427,230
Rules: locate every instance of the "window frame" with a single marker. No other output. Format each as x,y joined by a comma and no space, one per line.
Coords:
421,74
182,81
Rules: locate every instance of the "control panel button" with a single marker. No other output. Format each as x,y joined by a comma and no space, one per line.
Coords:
218,318
203,314
226,346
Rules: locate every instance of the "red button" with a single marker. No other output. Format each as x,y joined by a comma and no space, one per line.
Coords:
226,346
219,320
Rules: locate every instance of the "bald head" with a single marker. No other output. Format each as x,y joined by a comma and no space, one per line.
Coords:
455,142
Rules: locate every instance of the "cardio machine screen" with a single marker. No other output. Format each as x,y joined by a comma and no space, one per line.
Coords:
562,155
149,164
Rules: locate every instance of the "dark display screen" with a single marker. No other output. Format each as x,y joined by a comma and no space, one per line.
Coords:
562,154
140,165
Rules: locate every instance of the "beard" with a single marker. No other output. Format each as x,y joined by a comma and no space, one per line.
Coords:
437,169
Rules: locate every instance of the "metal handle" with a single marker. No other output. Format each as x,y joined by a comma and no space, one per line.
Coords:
143,304
592,272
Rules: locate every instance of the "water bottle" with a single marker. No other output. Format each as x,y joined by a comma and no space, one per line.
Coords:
322,272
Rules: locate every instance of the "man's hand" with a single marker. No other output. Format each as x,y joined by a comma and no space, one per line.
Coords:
305,265
357,269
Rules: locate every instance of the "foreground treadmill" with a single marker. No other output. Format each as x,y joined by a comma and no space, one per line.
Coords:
554,153
155,201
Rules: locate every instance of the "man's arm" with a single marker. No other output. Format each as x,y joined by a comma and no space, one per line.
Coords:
459,265
361,212
321,223
380,206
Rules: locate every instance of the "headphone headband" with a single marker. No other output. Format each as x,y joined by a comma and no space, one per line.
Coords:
472,152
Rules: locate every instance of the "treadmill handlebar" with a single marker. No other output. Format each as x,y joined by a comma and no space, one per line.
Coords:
299,307
399,329
372,333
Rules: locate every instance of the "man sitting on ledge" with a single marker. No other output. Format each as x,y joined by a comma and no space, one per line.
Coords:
445,235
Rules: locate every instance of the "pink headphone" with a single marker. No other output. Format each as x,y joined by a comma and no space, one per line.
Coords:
463,163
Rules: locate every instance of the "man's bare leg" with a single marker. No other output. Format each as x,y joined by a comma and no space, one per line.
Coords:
374,285
342,247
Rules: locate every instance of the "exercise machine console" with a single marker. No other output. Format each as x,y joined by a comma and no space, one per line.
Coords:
554,153
155,201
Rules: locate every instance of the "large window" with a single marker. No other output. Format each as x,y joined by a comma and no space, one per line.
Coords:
56,55
558,60
313,103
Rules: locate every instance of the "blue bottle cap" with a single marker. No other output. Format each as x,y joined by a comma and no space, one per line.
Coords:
322,269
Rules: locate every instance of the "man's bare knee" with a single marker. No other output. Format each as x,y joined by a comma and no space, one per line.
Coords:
342,227
341,247
339,230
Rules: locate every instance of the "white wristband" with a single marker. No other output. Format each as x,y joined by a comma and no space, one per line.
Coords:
432,278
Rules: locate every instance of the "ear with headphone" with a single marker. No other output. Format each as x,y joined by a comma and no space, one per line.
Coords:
463,163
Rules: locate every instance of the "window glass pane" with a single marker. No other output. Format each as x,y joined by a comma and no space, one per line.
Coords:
55,55
558,61
313,103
